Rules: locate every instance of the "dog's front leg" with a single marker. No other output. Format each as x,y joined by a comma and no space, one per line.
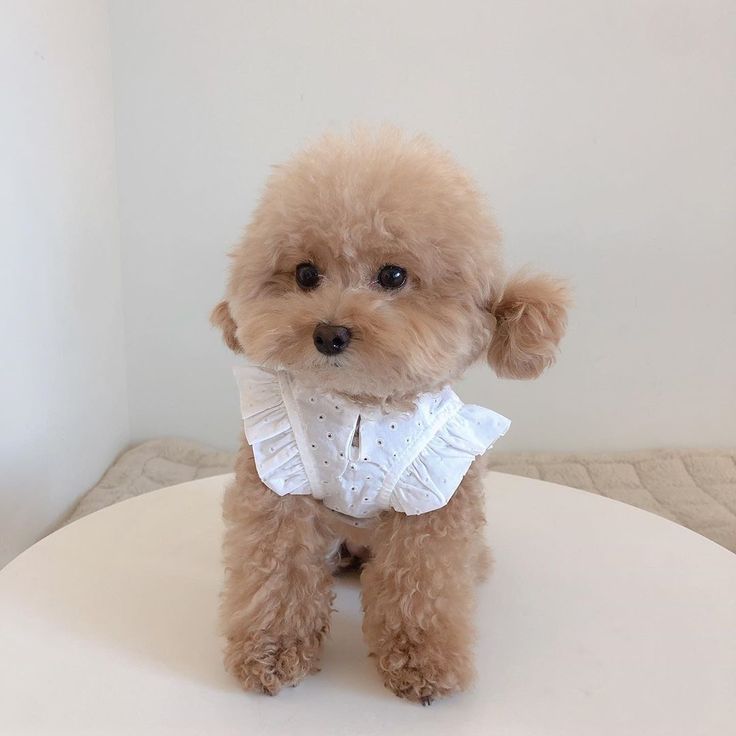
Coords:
277,599
418,596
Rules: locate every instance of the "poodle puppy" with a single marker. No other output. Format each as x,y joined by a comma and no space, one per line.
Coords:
370,277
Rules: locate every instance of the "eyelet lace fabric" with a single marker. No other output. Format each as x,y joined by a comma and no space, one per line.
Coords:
358,460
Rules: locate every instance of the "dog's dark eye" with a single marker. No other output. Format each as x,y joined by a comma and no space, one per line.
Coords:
307,275
391,277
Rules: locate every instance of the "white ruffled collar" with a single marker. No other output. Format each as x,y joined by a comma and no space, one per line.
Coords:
307,441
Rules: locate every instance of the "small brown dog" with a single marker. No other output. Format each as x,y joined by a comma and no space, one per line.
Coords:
371,271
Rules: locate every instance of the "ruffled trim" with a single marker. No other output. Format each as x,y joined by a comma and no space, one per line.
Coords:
432,478
269,431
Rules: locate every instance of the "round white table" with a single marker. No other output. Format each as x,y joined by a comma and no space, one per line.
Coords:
599,619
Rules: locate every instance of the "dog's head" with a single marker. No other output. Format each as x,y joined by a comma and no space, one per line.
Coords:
372,267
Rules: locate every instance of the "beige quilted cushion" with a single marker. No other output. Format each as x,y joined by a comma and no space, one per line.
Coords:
696,488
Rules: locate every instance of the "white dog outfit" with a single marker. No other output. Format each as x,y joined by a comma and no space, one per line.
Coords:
359,460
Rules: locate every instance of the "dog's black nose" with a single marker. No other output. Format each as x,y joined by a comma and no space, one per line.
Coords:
331,339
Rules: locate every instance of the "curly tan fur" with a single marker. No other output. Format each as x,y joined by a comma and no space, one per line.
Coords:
531,316
278,594
418,595
349,206
221,318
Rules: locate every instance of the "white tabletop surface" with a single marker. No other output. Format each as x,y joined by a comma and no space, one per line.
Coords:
599,619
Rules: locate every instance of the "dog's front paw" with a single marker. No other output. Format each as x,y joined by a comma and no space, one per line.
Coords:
265,663
423,673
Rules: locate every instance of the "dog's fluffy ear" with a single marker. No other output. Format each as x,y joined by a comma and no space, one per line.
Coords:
222,318
530,316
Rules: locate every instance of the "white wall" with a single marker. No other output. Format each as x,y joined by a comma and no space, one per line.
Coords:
63,408
602,131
